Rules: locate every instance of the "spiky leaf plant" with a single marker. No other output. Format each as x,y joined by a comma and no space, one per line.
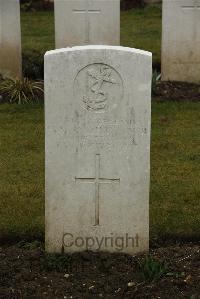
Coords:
155,78
21,91
152,268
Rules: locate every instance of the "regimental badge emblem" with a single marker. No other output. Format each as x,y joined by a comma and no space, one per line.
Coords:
99,87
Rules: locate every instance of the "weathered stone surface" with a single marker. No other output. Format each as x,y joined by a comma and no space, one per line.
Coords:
97,107
10,39
181,40
84,22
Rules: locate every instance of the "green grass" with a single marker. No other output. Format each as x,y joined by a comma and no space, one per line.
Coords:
37,31
140,28
175,158
22,170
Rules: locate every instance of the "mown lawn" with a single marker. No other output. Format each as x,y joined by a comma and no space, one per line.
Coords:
175,148
140,28
175,158
22,170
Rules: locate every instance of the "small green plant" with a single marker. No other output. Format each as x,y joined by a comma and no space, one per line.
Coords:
155,77
26,6
21,91
152,269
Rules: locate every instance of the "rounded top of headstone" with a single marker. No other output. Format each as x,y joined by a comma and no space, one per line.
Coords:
99,47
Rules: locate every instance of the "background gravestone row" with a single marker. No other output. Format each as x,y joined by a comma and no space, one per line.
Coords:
98,22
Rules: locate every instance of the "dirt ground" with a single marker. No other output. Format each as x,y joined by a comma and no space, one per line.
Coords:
176,91
27,272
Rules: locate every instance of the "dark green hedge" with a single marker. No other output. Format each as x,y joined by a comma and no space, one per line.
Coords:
28,5
33,65
32,5
128,4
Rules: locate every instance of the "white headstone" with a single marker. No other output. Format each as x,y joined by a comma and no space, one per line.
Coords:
97,107
181,40
10,39
84,22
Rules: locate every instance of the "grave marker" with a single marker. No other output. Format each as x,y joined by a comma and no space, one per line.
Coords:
97,108
10,39
181,40
83,22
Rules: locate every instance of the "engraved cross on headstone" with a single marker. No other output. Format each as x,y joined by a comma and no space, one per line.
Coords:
195,7
87,12
97,180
